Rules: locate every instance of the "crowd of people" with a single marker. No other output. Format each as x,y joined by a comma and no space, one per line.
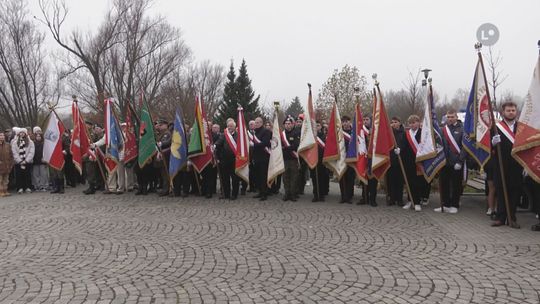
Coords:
22,169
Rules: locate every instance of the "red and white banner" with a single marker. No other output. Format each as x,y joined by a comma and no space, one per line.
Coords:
52,145
526,149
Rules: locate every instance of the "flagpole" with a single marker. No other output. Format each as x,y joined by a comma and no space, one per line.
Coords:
430,97
478,47
396,146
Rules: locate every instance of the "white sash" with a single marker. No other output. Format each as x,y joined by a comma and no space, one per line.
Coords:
451,139
413,141
231,141
346,135
321,142
505,129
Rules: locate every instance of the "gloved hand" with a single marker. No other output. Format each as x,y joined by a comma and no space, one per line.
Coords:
397,151
251,144
64,152
457,166
158,156
496,140
525,174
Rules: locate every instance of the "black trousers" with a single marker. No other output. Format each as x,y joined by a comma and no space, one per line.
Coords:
371,190
181,183
320,180
23,178
346,185
261,171
144,176
533,190
514,187
451,186
229,180
395,184
276,185
301,180
209,179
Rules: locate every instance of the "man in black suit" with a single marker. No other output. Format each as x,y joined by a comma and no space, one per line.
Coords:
513,171
261,156
226,147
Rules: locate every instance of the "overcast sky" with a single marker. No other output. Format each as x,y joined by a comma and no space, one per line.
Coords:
289,43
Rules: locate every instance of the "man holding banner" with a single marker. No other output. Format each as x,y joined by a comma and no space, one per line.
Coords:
513,171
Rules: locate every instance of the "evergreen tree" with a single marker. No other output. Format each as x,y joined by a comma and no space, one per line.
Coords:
295,108
229,106
246,95
238,91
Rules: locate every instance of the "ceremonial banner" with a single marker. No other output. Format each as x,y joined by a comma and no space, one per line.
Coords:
241,165
430,152
357,152
334,153
199,150
80,142
382,139
114,140
130,143
526,149
276,165
147,139
52,145
178,157
307,149
476,135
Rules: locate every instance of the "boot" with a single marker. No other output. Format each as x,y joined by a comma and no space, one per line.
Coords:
61,186
55,186
91,189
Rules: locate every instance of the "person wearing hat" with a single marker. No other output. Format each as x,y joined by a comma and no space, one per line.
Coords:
6,164
164,140
22,148
290,139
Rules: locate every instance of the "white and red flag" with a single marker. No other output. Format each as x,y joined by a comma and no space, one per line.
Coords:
52,145
526,149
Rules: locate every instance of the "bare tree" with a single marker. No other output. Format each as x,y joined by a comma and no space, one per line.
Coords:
340,87
413,88
23,71
148,52
497,75
204,79
85,51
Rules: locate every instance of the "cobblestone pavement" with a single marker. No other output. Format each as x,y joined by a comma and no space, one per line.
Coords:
129,249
